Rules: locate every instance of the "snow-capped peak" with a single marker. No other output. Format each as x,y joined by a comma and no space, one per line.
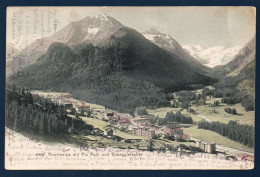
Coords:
102,17
160,39
212,56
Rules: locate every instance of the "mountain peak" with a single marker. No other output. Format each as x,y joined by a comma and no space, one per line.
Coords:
153,31
102,16
101,19
91,28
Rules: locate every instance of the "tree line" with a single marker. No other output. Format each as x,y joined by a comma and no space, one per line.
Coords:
171,117
185,97
238,132
232,96
33,114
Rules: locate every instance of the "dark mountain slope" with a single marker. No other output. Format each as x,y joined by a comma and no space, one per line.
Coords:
238,78
233,68
122,69
156,65
171,45
120,90
240,72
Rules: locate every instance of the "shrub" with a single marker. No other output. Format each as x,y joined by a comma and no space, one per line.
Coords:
141,111
228,110
231,111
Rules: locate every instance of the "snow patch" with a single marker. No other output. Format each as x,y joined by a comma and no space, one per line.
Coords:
102,17
213,56
150,37
93,31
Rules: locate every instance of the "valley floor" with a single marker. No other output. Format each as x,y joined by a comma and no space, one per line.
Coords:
205,112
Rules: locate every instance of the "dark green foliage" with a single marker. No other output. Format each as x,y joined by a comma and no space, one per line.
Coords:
206,92
193,111
89,113
216,103
141,111
228,88
231,111
233,130
170,117
233,96
185,97
248,103
183,119
228,110
185,94
150,145
217,93
234,111
200,99
34,114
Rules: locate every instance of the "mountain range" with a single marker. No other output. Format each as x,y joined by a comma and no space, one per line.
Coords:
140,55
102,61
167,42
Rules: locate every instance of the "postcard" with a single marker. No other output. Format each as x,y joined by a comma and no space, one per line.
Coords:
132,88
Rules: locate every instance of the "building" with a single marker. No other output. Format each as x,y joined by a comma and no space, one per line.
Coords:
67,95
173,131
147,132
156,129
123,122
81,103
141,120
68,105
206,146
109,116
108,131
183,137
82,108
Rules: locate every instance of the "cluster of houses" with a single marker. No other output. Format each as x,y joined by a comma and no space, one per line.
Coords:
141,126
66,100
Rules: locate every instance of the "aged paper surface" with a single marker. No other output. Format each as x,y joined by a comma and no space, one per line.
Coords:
130,88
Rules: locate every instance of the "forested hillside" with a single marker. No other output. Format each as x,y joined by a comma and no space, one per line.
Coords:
123,72
33,114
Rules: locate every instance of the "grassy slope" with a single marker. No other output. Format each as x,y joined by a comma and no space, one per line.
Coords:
161,112
214,137
220,115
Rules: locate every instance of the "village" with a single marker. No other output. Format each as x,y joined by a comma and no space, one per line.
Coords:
136,128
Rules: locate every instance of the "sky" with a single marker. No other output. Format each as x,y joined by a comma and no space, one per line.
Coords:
206,26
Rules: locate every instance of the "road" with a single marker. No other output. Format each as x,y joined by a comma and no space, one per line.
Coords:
207,119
